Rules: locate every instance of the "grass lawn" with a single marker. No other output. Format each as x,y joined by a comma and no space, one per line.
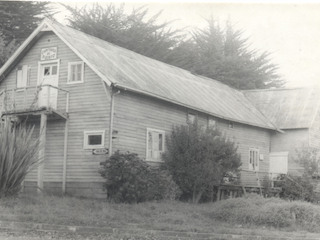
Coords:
164,215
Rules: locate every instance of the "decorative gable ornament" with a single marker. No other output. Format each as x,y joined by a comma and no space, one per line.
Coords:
48,53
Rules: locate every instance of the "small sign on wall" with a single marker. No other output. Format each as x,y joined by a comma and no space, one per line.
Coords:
48,53
100,151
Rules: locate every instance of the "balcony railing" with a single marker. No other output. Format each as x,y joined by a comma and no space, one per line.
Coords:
34,98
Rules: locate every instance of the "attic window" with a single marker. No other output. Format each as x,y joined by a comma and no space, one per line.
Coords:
75,72
231,125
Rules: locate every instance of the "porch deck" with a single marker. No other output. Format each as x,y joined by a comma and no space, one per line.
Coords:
34,101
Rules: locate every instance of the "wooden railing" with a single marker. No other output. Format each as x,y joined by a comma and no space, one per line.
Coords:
258,178
33,98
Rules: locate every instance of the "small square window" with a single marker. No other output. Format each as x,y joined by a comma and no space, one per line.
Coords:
155,144
94,139
231,125
75,72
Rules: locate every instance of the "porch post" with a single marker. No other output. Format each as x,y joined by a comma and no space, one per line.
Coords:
43,130
65,157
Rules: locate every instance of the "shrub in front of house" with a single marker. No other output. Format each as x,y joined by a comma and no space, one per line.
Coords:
198,159
296,188
18,155
129,179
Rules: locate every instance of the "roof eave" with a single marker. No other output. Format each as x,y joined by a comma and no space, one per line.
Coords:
126,88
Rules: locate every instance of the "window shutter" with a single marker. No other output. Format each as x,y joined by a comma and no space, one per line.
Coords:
22,76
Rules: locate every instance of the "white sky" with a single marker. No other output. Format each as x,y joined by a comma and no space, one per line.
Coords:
290,31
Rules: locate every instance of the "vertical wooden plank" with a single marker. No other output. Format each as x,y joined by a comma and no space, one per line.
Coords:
43,130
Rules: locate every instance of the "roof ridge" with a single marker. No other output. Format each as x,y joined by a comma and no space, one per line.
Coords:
277,89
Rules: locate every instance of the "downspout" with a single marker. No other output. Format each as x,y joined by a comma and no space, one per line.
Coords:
113,94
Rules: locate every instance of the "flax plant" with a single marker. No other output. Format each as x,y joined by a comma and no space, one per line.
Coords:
18,155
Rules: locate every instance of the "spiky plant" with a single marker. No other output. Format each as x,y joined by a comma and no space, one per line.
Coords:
18,155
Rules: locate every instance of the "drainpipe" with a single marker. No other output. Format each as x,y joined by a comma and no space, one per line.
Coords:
113,94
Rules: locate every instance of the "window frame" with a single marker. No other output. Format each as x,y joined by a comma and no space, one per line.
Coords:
150,159
86,135
253,167
70,64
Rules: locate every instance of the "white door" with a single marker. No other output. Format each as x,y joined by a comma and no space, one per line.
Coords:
48,76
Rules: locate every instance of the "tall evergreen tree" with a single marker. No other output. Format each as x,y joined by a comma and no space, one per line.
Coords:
135,31
17,20
224,55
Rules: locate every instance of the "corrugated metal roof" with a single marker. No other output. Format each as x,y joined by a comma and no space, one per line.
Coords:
127,69
287,108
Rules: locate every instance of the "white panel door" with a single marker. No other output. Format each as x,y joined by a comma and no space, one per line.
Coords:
48,96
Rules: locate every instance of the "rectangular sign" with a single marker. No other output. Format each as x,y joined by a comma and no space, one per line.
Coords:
48,53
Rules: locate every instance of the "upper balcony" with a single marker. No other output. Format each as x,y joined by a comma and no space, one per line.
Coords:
35,100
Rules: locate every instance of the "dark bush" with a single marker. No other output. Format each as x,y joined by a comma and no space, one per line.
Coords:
200,158
296,188
129,179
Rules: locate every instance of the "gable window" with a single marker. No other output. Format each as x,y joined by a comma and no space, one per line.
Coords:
75,72
191,118
94,139
22,76
155,144
254,159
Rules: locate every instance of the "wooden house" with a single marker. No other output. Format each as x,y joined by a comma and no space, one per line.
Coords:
296,112
88,98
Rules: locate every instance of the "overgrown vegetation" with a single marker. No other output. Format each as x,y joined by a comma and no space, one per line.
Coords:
199,159
253,215
296,188
130,179
255,210
18,155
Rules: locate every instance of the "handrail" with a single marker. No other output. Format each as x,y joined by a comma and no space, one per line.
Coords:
29,87
31,91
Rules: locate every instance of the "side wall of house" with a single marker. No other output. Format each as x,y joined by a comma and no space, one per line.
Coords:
135,113
290,141
89,109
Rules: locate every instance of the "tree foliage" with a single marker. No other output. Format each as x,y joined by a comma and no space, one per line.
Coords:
135,31
198,159
223,54
17,20
309,159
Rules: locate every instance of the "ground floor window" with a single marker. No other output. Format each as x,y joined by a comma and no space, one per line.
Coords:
254,159
155,144
94,139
